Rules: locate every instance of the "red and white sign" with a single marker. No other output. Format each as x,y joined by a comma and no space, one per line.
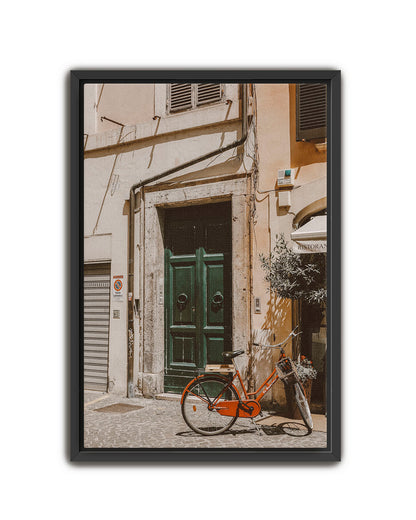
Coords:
118,286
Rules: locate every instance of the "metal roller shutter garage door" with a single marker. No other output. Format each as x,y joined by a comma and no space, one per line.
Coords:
96,326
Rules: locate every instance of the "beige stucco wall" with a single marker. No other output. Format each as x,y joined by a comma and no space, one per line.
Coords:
278,149
272,117
117,157
127,104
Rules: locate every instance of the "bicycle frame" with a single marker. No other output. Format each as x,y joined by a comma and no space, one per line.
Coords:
249,405
266,385
241,404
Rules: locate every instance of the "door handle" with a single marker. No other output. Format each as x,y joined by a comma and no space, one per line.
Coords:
217,299
182,299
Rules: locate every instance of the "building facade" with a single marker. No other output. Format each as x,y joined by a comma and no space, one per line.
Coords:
185,185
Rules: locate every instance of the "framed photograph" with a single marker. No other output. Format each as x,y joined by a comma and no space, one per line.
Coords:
205,265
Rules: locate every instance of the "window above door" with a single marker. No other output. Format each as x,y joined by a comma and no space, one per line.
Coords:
187,96
179,106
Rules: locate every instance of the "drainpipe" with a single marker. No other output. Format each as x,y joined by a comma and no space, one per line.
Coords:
133,189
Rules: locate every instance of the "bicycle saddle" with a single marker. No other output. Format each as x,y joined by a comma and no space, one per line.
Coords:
230,355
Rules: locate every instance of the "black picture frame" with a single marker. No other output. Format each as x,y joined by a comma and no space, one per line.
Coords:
333,451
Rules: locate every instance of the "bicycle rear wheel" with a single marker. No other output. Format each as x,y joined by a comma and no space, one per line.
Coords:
303,406
196,405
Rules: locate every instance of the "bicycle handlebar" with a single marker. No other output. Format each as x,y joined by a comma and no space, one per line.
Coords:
280,345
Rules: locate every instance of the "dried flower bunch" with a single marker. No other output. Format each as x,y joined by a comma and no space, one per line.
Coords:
305,369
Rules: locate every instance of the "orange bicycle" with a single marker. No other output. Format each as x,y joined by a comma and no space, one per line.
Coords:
211,403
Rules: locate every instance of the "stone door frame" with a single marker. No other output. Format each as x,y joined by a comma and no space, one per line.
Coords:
150,342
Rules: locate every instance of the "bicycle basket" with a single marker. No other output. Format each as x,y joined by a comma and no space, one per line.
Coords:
287,371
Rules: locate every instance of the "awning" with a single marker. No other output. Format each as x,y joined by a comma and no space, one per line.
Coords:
311,238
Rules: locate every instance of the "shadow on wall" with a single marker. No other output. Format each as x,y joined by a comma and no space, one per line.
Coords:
278,311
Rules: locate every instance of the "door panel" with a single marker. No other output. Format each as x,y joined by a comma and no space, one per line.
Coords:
215,348
197,290
215,293
183,350
183,294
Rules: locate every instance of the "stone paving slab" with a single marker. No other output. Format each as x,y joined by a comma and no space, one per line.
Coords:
159,424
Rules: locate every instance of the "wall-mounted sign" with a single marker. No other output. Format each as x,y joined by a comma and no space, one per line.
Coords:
311,237
118,286
310,246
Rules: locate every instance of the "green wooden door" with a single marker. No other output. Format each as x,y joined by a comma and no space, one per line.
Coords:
197,290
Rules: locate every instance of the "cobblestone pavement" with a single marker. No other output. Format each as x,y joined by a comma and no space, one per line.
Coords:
159,424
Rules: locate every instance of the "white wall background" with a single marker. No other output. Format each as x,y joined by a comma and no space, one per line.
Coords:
373,43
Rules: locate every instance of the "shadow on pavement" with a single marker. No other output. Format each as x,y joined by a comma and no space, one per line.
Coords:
288,428
292,429
228,432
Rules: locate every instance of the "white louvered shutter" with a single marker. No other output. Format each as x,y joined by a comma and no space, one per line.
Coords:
180,96
183,96
208,93
311,111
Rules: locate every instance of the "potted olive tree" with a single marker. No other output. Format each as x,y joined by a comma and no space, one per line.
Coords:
301,278
296,276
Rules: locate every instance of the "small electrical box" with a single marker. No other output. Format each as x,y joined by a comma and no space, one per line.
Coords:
286,177
257,307
284,198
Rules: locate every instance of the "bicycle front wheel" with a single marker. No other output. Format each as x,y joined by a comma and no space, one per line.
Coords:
197,409
303,406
